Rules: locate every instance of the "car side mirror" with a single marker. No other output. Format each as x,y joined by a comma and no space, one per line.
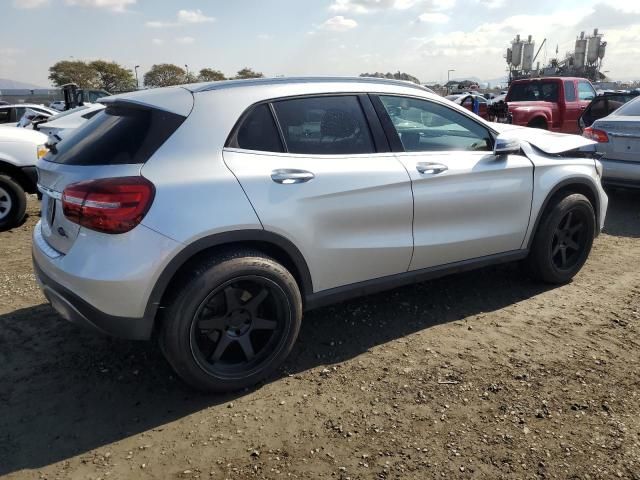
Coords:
506,146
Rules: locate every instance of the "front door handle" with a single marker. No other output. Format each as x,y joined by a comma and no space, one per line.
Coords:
287,176
429,168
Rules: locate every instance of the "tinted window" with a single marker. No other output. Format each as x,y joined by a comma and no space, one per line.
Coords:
425,126
258,131
586,91
5,115
631,109
324,125
117,135
533,91
569,91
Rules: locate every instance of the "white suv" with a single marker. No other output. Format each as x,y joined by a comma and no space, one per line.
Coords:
210,216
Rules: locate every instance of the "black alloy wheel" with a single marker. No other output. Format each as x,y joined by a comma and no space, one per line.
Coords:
569,240
239,325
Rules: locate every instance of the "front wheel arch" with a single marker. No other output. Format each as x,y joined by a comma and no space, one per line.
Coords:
564,188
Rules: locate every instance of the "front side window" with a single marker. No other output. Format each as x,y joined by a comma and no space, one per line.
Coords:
586,91
425,126
324,125
569,91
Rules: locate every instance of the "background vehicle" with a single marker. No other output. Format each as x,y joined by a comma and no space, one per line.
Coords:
550,103
61,124
474,103
618,137
223,210
19,150
58,105
13,113
603,105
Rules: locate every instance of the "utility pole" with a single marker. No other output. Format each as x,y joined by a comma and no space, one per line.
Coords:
449,79
137,81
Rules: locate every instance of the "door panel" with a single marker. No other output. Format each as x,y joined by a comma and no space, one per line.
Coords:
479,205
350,216
468,203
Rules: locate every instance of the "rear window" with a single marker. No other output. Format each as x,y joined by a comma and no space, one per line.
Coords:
631,109
533,92
117,135
569,91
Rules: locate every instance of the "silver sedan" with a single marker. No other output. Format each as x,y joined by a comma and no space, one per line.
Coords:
618,137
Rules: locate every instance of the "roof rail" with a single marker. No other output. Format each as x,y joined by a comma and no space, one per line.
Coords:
224,84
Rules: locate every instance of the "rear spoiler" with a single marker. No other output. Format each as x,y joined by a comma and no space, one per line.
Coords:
176,100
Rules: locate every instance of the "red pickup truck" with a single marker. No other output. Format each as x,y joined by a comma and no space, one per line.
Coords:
552,103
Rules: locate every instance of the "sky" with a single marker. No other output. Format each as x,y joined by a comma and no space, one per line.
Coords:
425,38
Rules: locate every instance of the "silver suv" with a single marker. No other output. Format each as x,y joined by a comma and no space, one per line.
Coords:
210,216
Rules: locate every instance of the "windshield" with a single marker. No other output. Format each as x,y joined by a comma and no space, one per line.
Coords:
533,92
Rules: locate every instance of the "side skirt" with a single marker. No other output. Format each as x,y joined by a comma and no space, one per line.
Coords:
354,290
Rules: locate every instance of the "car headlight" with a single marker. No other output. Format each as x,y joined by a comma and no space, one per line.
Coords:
42,151
599,168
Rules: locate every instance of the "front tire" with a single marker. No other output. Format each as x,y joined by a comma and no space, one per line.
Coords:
563,240
13,203
233,321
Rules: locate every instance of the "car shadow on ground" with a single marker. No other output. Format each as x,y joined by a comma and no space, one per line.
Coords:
65,391
623,215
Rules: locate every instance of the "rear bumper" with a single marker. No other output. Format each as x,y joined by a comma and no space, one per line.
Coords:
621,173
104,281
77,311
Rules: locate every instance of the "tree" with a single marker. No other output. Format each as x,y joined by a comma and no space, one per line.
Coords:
113,77
398,76
247,72
77,71
210,75
165,75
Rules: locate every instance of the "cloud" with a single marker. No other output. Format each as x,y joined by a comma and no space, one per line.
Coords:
30,3
183,17
114,5
369,6
264,36
339,24
157,41
433,18
185,40
492,4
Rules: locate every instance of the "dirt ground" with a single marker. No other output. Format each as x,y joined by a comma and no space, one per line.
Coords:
478,375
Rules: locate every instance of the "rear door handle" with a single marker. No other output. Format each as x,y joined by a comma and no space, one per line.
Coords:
287,176
429,168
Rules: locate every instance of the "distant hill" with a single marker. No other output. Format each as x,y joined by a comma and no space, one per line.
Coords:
8,84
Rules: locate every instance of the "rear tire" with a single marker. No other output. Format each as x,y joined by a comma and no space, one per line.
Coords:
563,239
13,203
233,321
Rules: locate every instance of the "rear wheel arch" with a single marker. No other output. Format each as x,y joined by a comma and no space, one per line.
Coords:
273,245
562,189
539,122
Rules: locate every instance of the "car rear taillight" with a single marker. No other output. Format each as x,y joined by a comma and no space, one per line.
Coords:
599,136
108,205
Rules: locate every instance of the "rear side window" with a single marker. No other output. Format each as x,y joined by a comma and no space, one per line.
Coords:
324,125
4,115
631,109
569,91
117,135
258,131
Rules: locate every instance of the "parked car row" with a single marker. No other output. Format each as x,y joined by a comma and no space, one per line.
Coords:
222,211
